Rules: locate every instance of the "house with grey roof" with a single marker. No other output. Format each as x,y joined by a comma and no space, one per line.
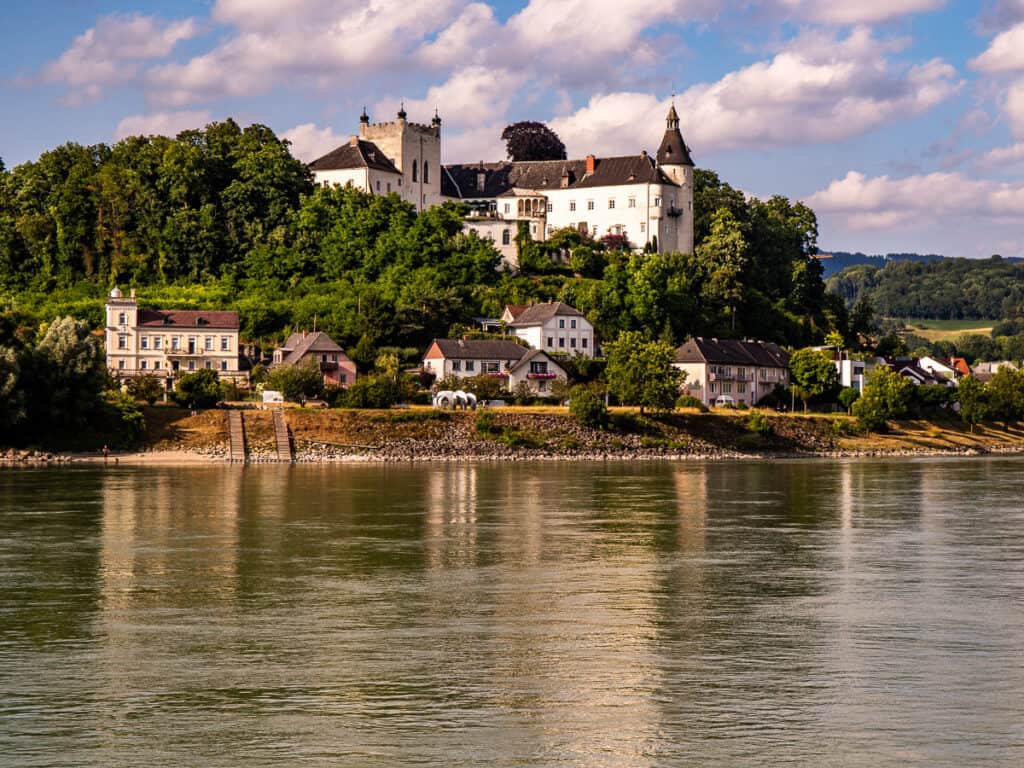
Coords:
552,326
320,349
503,359
732,371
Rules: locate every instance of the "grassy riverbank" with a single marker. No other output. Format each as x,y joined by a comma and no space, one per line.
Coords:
422,433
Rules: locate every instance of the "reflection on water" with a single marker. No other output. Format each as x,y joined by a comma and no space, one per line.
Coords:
846,613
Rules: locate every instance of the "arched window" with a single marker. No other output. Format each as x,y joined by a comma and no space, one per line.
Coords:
414,170
426,172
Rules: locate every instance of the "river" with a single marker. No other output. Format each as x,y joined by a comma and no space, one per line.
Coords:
818,613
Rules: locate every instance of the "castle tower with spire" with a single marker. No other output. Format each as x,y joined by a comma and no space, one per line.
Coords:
674,160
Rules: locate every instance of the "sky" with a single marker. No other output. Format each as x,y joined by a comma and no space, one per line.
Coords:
901,122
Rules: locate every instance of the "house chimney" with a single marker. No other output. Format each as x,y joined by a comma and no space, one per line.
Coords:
591,163
132,293
353,141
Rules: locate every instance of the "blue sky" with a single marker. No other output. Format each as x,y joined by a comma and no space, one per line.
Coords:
900,121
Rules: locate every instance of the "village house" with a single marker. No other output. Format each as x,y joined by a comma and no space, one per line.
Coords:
984,372
911,368
301,348
733,372
647,200
503,359
165,342
553,326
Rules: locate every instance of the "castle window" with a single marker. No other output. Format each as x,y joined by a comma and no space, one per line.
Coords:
643,226
590,205
378,185
551,207
657,202
611,203
414,172
508,208
399,181
426,172
572,205
389,187
632,202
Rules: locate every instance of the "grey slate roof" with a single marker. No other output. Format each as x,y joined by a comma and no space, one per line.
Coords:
299,345
538,314
480,349
765,354
533,354
354,154
461,181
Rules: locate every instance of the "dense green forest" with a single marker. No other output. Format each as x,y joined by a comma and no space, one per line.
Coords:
225,217
946,289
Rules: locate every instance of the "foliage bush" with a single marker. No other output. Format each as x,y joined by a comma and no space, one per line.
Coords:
146,387
586,406
689,401
759,424
297,383
886,395
200,389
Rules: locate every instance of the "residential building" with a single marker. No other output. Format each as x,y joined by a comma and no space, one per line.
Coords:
938,367
398,157
745,371
301,348
648,200
554,327
985,371
852,371
911,368
164,342
501,358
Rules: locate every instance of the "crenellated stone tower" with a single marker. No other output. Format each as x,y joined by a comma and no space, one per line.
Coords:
415,150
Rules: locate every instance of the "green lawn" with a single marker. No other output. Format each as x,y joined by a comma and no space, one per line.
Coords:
938,330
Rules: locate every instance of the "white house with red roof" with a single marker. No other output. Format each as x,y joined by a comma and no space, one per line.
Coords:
163,342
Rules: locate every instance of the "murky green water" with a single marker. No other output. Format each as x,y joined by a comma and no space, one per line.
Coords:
802,613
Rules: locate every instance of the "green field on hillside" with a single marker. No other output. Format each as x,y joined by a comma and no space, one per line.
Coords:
939,330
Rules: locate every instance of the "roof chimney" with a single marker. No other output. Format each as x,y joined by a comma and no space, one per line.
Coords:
591,163
132,293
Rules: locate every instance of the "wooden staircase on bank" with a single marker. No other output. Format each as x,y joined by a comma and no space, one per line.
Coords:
282,438
236,436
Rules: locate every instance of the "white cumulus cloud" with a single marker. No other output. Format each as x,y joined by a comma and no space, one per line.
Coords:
110,52
858,12
1004,54
310,141
161,123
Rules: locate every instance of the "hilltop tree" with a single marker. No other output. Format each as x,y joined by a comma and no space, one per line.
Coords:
530,140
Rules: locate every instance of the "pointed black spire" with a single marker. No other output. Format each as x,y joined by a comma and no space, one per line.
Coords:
673,150
401,110
436,122
364,118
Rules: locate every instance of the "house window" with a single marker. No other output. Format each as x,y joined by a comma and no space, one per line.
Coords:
643,226
593,231
726,387
389,187
223,365
344,378
491,366
506,237
632,202
208,343
572,323
174,343
657,202
741,387
507,207
144,341
551,341
456,365
572,205
158,342
470,366
561,342
415,172
122,341
378,185
225,343
399,181
611,203
542,386
209,365
334,357
144,364
191,365
551,207
323,358
561,322
122,318
120,365
711,387
157,365
583,342
426,172
590,205
538,367
572,342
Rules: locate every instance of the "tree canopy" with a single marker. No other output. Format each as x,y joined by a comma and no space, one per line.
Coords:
530,140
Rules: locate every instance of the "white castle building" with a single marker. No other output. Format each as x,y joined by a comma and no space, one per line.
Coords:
647,200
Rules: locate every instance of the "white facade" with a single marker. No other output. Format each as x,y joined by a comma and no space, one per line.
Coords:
504,360
137,344
555,328
745,384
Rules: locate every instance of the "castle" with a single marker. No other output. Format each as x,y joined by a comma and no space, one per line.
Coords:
646,200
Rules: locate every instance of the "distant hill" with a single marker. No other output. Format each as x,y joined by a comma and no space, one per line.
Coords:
835,262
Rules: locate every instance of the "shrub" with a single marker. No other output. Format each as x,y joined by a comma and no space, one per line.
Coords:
297,382
587,406
147,388
759,424
689,401
848,396
200,389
